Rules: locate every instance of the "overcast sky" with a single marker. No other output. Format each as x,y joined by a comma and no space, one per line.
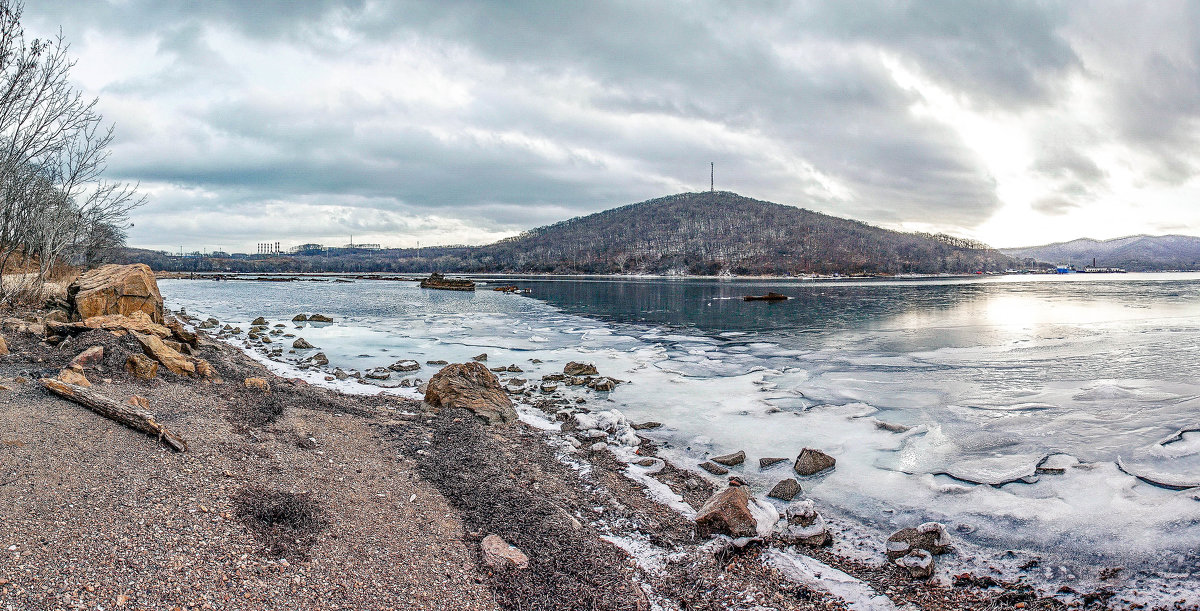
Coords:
464,122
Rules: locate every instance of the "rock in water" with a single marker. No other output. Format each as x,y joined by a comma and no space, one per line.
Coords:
763,463
141,366
918,562
805,526
930,536
645,426
319,318
259,322
405,365
714,468
471,386
811,462
730,460
482,358
498,554
299,318
785,490
116,289
302,344
727,513
580,369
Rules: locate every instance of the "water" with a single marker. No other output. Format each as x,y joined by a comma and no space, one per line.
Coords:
939,398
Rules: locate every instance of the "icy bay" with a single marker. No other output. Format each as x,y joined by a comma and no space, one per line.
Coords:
1047,414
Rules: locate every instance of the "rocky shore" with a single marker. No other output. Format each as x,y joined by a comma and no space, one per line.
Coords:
486,494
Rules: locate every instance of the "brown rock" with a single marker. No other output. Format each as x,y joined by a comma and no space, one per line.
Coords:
930,536
471,386
727,513
257,384
259,322
141,366
580,369
785,490
302,344
3,347
319,318
771,461
175,362
811,462
205,370
73,376
714,468
116,289
498,554
480,357
137,321
138,401
181,333
730,460
88,358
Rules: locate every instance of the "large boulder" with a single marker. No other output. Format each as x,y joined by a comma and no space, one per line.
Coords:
471,386
727,513
116,289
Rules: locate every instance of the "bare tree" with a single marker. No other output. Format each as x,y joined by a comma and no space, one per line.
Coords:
55,205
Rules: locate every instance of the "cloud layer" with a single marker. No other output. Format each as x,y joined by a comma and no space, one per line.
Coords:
462,122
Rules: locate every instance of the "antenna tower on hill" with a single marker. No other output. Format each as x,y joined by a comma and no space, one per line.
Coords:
712,176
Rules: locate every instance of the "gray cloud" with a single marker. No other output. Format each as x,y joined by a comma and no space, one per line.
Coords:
494,117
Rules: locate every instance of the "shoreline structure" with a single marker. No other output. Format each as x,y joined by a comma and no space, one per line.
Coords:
602,525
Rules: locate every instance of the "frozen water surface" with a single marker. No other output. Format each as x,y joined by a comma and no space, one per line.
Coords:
1055,415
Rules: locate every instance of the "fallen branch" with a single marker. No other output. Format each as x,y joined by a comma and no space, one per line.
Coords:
128,415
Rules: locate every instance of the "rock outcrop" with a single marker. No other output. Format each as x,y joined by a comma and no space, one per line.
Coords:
471,386
116,289
174,361
141,366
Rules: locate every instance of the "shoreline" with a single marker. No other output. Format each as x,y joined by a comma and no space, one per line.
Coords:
590,510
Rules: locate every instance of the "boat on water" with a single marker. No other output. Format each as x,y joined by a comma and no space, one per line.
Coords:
767,297
440,282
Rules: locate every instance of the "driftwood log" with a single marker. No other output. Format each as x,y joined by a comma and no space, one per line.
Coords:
128,415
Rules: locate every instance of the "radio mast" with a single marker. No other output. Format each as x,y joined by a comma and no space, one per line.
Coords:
712,176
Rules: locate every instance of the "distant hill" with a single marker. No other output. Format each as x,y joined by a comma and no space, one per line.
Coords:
714,232
1134,253
704,233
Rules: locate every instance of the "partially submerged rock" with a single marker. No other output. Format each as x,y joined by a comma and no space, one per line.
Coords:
302,344
763,463
812,462
580,369
930,536
730,460
805,526
714,468
319,318
498,554
259,322
405,365
471,386
727,513
785,490
918,563
116,289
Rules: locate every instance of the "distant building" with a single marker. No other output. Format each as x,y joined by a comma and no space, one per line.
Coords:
308,249
268,248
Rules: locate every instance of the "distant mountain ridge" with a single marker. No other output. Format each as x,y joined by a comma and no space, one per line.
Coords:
1134,253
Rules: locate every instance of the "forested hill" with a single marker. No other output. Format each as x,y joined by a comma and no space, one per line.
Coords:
705,233
715,232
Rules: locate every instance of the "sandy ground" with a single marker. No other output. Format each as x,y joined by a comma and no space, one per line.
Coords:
306,499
